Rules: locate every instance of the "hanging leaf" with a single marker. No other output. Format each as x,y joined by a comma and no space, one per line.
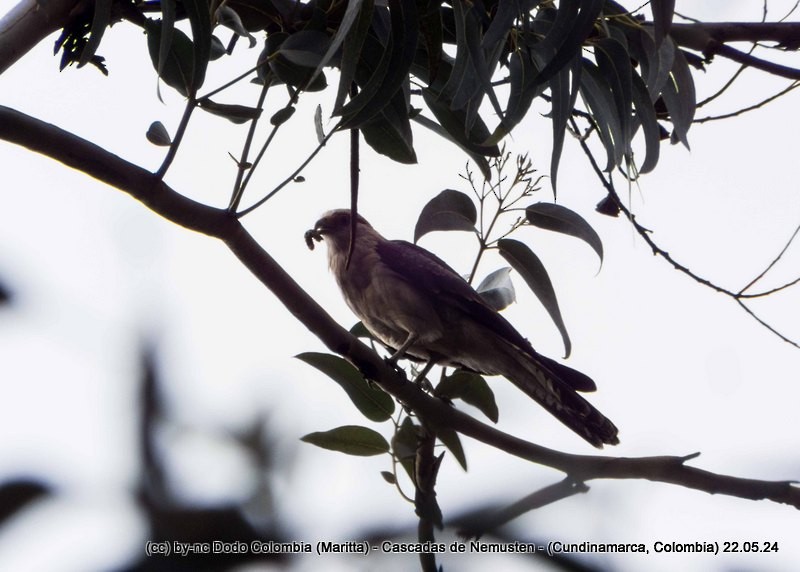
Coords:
371,401
177,66
449,210
352,51
404,445
524,261
350,439
100,21
157,134
597,94
663,11
471,388
563,101
450,439
614,63
646,117
232,112
559,218
282,115
479,160
199,14
497,290
679,96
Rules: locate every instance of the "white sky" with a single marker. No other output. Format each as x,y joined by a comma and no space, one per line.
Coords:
680,368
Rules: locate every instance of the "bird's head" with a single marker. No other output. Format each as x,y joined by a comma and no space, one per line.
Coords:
335,227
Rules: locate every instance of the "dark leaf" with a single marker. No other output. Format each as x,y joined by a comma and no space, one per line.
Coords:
15,495
351,52
389,477
404,445
646,117
372,402
233,112
663,11
157,134
479,160
449,210
227,16
177,66
563,100
679,96
472,139
615,65
305,48
524,261
350,15
389,133
100,21
282,115
558,218
497,290
199,14
452,441
471,388
350,439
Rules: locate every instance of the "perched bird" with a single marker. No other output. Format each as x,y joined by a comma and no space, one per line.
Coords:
422,309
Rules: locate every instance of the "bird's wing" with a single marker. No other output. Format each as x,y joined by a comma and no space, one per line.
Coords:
426,271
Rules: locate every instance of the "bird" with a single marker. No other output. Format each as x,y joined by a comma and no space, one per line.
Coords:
421,309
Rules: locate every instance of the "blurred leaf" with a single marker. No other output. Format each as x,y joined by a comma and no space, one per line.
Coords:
233,112
350,15
318,124
524,261
350,439
359,330
372,402
449,210
15,495
679,96
100,21
177,66
199,14
663,11
305,48
452,441
157,134
471,388
559,218
282,115
404,445
497,290
389,477
167,31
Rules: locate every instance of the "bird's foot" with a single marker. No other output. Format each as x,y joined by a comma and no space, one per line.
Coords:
392,363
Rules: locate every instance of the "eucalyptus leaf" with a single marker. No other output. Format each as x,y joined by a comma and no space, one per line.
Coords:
559,218
350,439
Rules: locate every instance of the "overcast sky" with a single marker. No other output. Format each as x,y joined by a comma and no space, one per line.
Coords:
679,367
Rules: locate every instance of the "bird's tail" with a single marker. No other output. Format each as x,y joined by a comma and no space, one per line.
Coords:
541,381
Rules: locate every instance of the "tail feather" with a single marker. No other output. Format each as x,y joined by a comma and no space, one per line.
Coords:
556,395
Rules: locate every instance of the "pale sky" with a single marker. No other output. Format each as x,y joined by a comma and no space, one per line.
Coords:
679,368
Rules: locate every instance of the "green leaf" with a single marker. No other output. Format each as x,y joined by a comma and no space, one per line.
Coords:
452,441
479,160
404,445
232,112
524,261
389,477
100,21
615,65
449,210
177,67
497,290
157,134
559,218
350,439
471,388
199,14
282,115
374,403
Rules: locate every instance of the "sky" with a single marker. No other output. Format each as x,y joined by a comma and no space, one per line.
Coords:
680,368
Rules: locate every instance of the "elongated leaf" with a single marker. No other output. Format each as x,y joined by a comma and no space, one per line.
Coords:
524,261
178,65
199,14
449,210
227,16
497,289
350,439
597,94
100,21
615,65
559,218
305,48
232,112
452,441
679,96
663,11
389,132
646,117
351,52
404,445
372,402
479,160
563,100
430,28
470,139
483,69
350,15
471,388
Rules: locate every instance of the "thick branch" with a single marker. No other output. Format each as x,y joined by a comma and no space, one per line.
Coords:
144,186
27,24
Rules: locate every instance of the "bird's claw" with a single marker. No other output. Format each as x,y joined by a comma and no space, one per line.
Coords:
392,363
311,235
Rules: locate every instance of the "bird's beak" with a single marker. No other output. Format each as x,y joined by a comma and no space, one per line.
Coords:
314,234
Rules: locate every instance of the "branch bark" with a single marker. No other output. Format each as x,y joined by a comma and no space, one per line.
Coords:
148,189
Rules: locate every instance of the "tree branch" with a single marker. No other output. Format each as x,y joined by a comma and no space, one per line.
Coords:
145,187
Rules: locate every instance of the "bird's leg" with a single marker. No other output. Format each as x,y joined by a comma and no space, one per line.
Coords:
412,337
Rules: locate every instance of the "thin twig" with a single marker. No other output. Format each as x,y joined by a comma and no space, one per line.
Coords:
191,103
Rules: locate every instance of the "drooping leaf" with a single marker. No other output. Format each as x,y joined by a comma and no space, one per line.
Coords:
663,11
679,96
471,388
449,210
404,445
479,160
646,117
177,66
454,121
282,115
100,21
452,441
372,402
199,14
559,218
232,112
286,71
157,134
597,94
389,132
563,102
497,290
228,17
305,48
615,65
351,52
350,439
350,16
524,261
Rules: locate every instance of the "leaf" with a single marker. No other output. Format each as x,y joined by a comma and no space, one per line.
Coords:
351,52
663,11
359,330
286,71
232,112
449,210
679,97
563,104
597,94
157,134
559,218
389,477
497,290
177,67
282,115
350,15
404,445
389,133
615,65
471,388
100,21
646,117
305,48
524,261
199,14
479,160
350,439
452,441
227,16
371,401
318,124
470,139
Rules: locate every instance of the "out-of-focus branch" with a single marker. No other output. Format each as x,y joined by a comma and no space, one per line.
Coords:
27,24
148,189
